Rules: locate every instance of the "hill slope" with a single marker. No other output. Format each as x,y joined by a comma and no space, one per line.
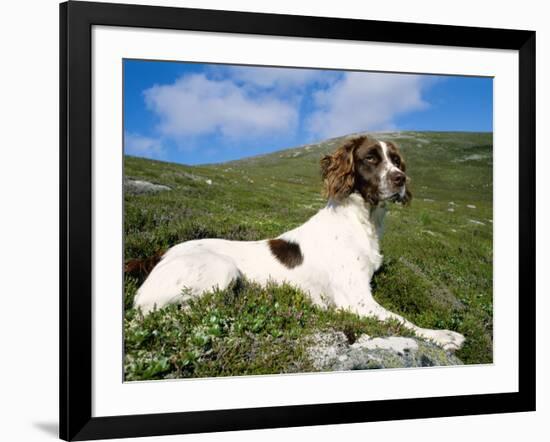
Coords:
437,270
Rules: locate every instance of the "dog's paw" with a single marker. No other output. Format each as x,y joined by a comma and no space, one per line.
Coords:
447,339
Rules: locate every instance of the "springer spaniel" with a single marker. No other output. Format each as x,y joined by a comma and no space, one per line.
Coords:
332,256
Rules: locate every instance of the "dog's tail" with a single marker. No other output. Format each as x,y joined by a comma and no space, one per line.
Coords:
141,267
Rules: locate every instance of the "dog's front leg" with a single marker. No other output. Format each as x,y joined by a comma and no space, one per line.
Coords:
361,301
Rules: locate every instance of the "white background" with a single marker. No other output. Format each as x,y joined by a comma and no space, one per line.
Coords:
29,238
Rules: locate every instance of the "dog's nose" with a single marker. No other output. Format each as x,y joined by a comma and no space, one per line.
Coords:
398,178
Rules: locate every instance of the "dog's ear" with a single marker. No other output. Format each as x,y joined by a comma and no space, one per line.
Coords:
338,170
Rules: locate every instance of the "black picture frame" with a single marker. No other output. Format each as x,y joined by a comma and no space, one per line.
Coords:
76,21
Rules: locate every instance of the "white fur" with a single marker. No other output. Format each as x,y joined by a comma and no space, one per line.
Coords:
340,248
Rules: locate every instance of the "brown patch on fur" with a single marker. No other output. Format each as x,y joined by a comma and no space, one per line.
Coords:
140,268
288,253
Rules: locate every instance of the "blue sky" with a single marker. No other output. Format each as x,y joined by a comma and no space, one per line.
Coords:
196,113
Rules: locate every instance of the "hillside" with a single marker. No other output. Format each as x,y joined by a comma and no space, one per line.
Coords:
437,270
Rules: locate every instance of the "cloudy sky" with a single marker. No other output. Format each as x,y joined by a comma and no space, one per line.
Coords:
197,113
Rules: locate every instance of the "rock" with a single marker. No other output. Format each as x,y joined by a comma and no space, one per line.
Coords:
331,351
397,344
474,221
423,141
190,176
474,157
137,187
326,348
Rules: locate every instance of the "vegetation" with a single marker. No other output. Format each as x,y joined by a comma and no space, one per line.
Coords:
437,269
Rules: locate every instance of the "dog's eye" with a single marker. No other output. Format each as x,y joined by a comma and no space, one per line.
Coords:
370,158
396,161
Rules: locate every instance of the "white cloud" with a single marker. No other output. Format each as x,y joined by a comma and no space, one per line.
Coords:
141,146
362,101
196,105
281,79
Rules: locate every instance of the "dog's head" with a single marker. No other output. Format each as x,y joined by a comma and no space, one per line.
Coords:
375,169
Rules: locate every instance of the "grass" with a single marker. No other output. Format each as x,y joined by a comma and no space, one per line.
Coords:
245,329
437,269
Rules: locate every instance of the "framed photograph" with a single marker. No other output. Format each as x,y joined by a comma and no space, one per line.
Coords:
273,220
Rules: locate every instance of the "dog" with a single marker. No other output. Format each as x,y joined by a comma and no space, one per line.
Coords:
331,257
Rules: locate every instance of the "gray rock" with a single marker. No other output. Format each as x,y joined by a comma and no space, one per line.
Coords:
331,351
137,187
325,348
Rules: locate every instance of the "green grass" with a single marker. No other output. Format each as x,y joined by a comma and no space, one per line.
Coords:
245,329
437,269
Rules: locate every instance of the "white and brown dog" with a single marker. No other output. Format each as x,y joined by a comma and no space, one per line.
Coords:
332,256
